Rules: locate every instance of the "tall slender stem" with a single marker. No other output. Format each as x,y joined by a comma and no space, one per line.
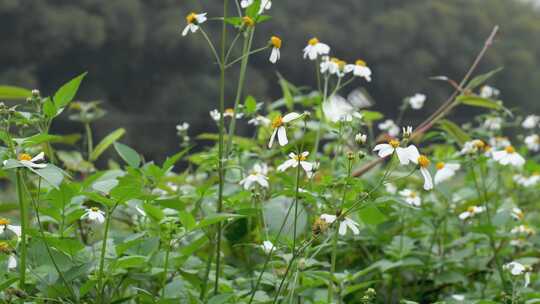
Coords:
24,226
221,142
296,192
318,135
89,139
165,268
101,287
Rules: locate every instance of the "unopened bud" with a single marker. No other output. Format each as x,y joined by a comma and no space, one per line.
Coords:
35,93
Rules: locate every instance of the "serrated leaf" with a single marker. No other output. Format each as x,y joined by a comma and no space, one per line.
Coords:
106,143
67,92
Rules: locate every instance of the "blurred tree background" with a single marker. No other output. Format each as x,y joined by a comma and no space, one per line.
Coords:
150,78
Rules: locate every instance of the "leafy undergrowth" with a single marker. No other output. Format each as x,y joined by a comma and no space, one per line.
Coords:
327,202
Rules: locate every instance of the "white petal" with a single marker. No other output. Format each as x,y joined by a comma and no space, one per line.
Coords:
428,182
308,167
40,156
274,56
282,136
342,228
290,117
272,138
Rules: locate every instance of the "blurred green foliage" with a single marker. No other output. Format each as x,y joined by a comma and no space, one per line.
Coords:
151,78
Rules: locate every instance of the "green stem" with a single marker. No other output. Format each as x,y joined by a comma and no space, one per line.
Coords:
221,142
24,226
101,286
211,45
296,192
89,139
165,269
318,135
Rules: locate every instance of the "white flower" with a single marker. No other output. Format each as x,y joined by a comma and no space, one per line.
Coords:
95,215
259,120
445,172
523,229
417,101
533,142
411,197
530,122
390,127
489,92
215,115
296,159
275,42
527,181
5,225
472,146
518,269
246,3
28,161
229,112
258,175
193,21
508,156
331,66
359,69
182,127
265,5
493,123
458,297
315,48
12,262
423,163
343,225
267,247
405,155
471,211
279,126
517,214
337,109
390,188
360,138
499,142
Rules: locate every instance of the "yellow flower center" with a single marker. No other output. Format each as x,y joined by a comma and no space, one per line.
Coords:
4,247
361,62
394,143
191,18
439,165
4,222
94,209
300,157
313,41
229,112
413,194
537,139
520,215
277,122
276,42
423,161
471,209
479,144
510,150
24,156
248,21
341,64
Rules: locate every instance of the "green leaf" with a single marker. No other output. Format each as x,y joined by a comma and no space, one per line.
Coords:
371,116
235,21
51,174
454,130
130,156
187,219
221,298
14,93
253,9
286,90
129,187
250,105
153,212
170,161
371,215
481,79
131,261
67,92
479,102
216,218
49,109
106,142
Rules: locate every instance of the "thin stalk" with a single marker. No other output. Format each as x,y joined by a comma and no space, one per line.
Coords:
318,136
24,226
89,140
165,269
101,287
296,192
221,142
204,286
211,45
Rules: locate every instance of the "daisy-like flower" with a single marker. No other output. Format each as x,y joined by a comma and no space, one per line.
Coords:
390,127
259,120
346,223
267,247
517,214
279,125
246,3
518,269
94,214
417,101
295,160
523,229
193,21
509,156
411,197
215,115
257,176
489,92
265,5
315,48
493,123
390,188
473,146
530,122
6,249
5,224
423,163
337,109
445,172
471,211
229,112
183,127
275,42
533,142
359,69
26,160
499,142
527,181
360,138
405,155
